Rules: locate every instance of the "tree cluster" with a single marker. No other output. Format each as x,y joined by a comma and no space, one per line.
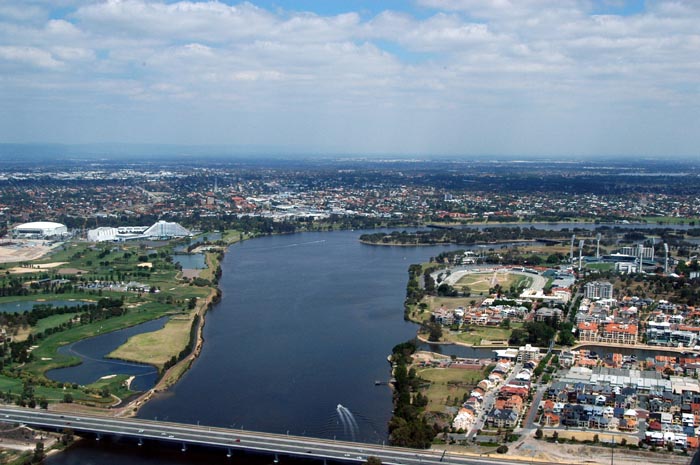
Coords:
407,427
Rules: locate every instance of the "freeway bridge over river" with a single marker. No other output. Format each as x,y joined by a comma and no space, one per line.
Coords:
230,440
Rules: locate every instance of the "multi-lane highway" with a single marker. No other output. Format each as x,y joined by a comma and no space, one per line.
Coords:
234,439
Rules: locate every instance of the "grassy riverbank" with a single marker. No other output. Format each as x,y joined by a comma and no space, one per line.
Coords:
157,347
163,292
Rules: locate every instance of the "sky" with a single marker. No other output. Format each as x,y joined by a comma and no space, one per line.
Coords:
557,78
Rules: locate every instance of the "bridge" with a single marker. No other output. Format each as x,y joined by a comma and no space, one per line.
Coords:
230,440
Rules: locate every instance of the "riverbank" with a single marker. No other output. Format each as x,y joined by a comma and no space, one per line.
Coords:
162,348
174,373
399,244
448,243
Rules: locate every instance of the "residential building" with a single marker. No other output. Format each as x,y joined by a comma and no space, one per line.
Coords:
598,290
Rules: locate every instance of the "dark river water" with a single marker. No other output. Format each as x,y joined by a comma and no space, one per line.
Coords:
305,323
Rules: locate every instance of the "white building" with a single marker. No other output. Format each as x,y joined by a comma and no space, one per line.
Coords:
464,420
527,353
160,230
166,229
40,230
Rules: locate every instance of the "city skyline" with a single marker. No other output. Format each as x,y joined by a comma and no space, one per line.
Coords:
442,77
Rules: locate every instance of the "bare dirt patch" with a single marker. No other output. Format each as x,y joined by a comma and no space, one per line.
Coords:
22,252
33,268
535,451
71,271
190,273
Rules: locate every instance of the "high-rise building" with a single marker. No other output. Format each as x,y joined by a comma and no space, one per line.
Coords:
598,290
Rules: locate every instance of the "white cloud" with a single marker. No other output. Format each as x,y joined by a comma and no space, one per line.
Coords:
467,60
30,56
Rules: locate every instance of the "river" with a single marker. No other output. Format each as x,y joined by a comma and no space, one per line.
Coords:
305,323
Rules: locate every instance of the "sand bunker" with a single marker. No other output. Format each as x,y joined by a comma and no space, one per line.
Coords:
33,268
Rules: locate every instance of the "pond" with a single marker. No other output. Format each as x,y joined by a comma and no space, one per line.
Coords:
95,365
208,237
26,305
193,261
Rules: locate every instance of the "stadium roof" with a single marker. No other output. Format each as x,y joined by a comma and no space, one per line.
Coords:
40,225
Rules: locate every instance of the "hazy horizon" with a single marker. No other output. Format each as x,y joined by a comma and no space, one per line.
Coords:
426,78
33,152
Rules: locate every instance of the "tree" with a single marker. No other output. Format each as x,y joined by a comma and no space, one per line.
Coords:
445,290
38,452
518,337
372,460
67,436
434,331
68,398
566,337
539,433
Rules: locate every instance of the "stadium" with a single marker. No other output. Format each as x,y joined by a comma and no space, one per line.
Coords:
39,230
159,231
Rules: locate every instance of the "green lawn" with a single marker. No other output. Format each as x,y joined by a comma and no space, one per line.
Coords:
157,347
444,382
56,394
477,334
52,321
231,236
47,297
669,220
522,281
601,266
480,283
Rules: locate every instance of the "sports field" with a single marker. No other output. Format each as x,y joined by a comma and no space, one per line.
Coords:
480,283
